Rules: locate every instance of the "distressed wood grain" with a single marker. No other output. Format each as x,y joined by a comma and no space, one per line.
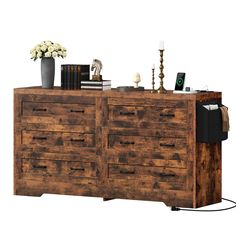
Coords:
111,144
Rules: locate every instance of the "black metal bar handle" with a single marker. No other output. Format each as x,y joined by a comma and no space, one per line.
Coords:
127,143
127,113
167,175
77,140
127,172
39,109
39,138
77,111
39,167
167,144
167,115
77,169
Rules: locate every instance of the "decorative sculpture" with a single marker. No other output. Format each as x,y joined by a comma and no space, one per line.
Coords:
136,79
97,67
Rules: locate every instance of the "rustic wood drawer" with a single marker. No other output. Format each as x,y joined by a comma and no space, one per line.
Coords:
147,177
112,144
88,155
155,103
31,167
154,158
147,116
58,113
57,141
147,143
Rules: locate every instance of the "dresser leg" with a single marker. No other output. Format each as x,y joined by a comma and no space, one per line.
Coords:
107,199
28,193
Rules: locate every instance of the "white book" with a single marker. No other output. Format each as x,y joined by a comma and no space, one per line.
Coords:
93,82
96,87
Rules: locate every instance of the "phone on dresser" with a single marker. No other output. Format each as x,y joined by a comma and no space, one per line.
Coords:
180,79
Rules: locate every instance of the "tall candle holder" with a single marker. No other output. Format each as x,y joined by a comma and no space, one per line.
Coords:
161,89
153,81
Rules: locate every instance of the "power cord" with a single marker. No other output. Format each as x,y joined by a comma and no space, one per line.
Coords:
221,209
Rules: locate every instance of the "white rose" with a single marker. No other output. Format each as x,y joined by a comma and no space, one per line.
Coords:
64,54
51,49
44,48
59,53
39,54
48,43
48,54
33,54
33,49
57,46
54,54
38,49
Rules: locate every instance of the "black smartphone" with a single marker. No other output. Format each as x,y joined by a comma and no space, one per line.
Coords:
179,84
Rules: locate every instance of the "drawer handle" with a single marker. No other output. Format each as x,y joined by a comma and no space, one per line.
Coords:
39,109
127,143
127,172
167,175
77,169
127,113
167,115
77,111
77,140
38,167
39,138
167,145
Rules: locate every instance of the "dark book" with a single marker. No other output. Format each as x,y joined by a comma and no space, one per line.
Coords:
68,76
62,77
73,75
84,72
84,76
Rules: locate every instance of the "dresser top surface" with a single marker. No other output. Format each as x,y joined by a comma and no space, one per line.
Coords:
57,91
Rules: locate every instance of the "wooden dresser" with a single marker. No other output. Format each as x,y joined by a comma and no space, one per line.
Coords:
131,145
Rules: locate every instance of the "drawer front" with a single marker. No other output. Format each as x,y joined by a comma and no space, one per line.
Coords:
48,168
83,156
147,177
165,159
43,112
147,143
147,116
57,141
146,102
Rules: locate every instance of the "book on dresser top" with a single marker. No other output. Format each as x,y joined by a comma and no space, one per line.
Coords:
72,74
96,88
96,85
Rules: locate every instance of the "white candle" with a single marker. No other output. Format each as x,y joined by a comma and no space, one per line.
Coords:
153,66
161,45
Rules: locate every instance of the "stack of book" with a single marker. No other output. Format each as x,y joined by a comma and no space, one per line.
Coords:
72,75
96,85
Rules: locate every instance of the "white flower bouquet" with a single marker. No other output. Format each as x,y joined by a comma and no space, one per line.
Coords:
47,49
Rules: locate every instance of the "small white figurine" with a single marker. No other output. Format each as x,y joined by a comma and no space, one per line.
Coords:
96,66
136,79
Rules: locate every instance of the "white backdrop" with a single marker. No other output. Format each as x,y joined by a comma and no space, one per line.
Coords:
199,39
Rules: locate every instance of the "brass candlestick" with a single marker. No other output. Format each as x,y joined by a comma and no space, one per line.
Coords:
161,75
153,81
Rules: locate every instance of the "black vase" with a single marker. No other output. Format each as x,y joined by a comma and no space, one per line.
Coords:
47,72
